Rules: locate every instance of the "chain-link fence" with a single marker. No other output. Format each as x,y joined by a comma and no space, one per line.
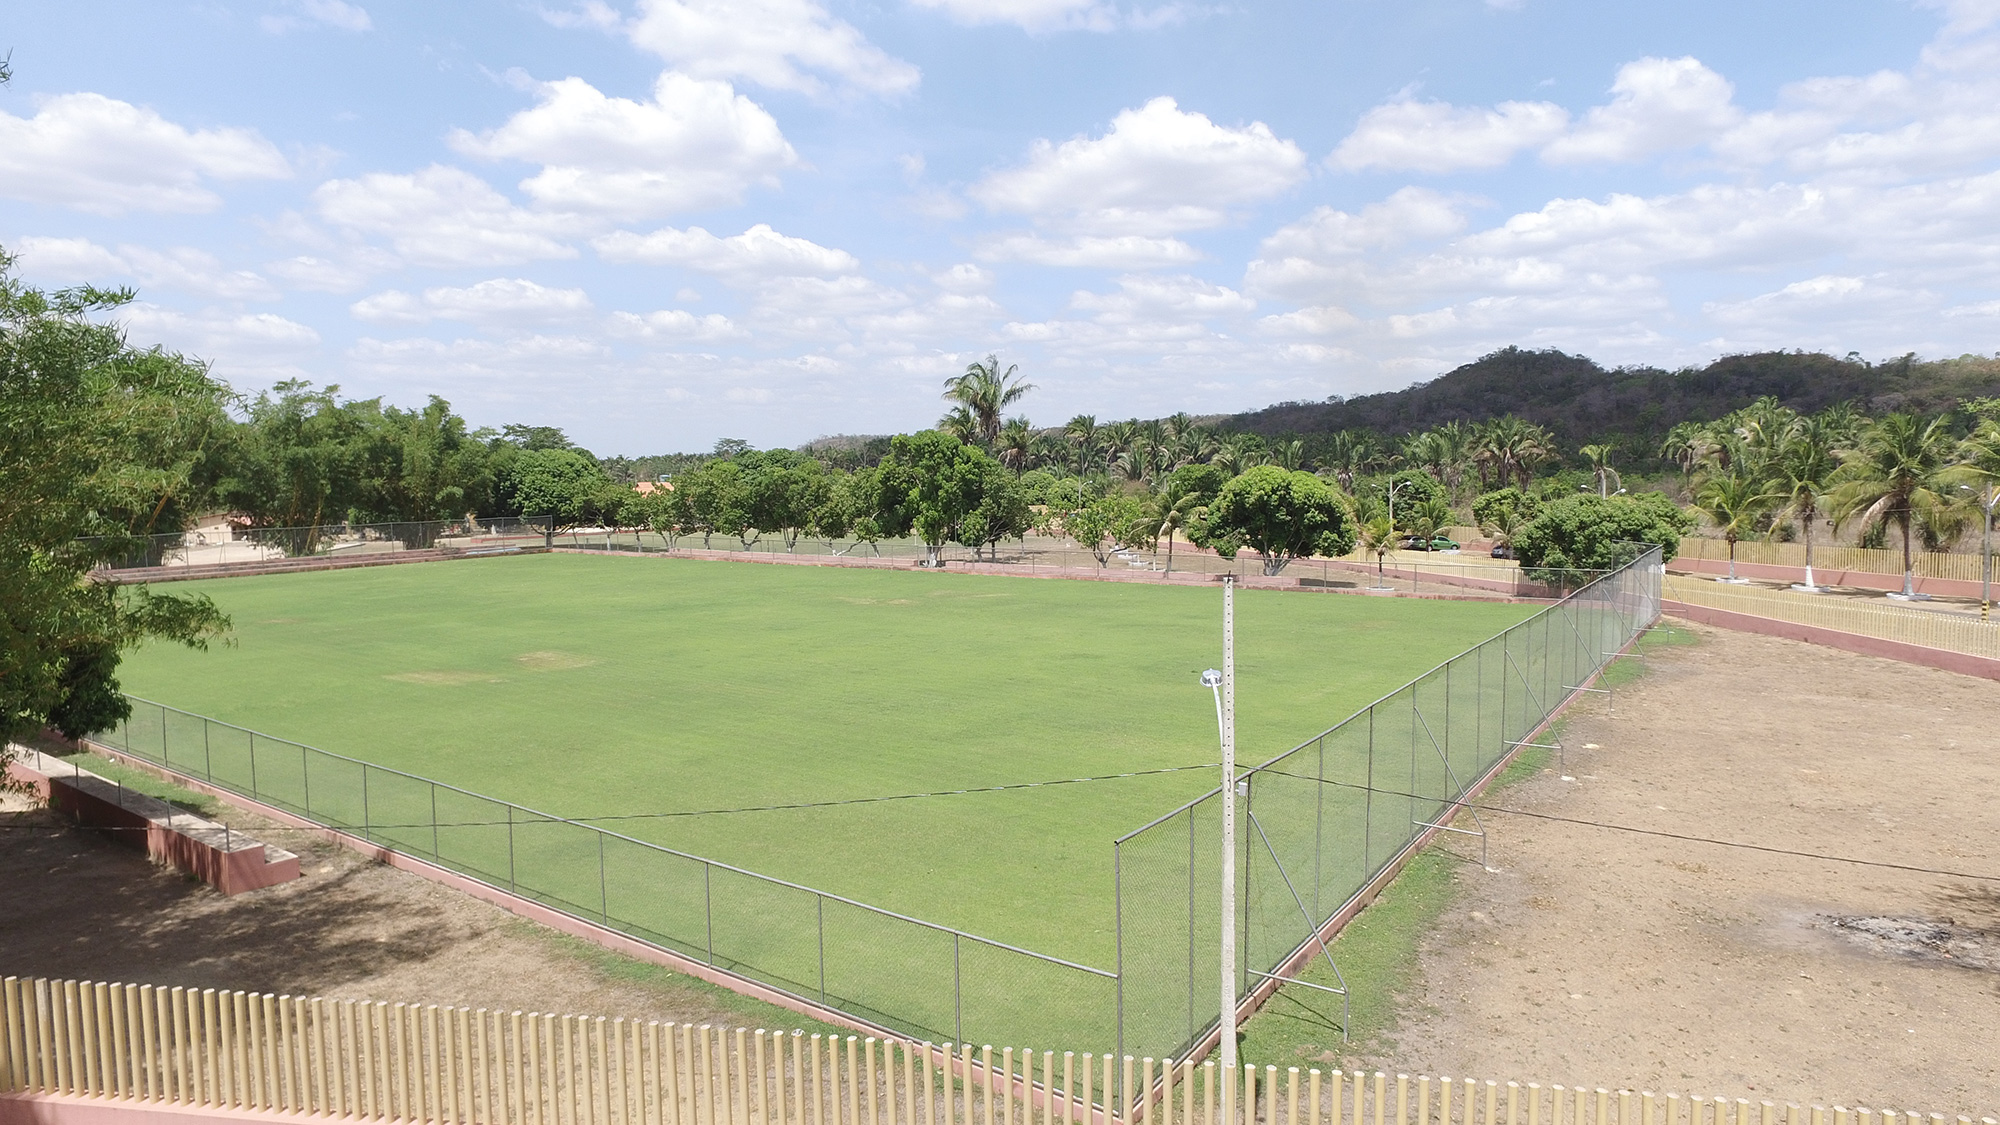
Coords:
915,977
231,546
1322,820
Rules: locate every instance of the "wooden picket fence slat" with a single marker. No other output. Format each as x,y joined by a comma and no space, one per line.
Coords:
465,1066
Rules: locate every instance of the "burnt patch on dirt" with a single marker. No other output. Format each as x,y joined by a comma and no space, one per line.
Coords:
1920,939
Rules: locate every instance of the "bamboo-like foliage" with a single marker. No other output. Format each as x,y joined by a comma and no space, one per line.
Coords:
411,1062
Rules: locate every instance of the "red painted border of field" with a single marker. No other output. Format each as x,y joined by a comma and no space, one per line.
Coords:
1967,664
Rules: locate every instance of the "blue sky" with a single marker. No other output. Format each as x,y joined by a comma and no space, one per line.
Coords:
661,222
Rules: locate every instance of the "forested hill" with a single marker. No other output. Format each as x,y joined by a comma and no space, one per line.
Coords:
1581,401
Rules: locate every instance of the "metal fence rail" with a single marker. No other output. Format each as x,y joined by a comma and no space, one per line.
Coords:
1322,820
916,977
1954,629
1962,566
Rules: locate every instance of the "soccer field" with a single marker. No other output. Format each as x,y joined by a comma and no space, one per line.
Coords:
598,687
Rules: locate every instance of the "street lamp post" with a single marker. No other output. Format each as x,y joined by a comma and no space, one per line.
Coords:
1223,684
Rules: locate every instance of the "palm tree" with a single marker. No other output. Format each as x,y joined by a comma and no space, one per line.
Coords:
1894,473
1378,535
1733,501
1082,432
1804,463
1599,457
986,392
1289,454
1978,471
1176,508
1350,453
1683,446
1501,525
960,423
1015,443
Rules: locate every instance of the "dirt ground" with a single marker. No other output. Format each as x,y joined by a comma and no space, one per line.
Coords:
1621,959
75,905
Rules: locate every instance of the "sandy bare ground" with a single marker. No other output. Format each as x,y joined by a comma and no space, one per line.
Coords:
1613,958
75,905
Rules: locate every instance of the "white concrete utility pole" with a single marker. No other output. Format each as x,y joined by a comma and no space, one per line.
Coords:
1223,684
1229,827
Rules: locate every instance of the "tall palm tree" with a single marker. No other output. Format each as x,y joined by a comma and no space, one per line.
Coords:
1733,501
1289,454
986,392
1978,471
1893,474
1799,475
1599,458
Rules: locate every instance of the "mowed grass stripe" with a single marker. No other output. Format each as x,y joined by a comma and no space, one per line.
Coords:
589,687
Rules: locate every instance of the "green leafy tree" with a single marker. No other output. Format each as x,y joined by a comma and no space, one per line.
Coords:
1282,515
97,440
1896,471
1586,532
1517,506
930,482
1003,512
1097,526
563,483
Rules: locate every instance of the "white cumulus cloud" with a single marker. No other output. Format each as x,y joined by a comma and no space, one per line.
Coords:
1433,136
182,268
1657,105
502,302
675,325
105,156
697,143
780,44
1119,252
1159,170
756,254
443,216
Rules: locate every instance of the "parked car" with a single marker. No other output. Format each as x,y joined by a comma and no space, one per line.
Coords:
1436,543
1502,551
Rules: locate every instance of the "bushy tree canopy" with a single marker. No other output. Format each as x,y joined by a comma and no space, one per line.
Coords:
1587,532
1282,515
98,440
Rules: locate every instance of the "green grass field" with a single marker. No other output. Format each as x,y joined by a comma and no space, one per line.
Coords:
593,687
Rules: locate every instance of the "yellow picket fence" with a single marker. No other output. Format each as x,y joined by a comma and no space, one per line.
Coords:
1960,566
1954,630
409,1062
